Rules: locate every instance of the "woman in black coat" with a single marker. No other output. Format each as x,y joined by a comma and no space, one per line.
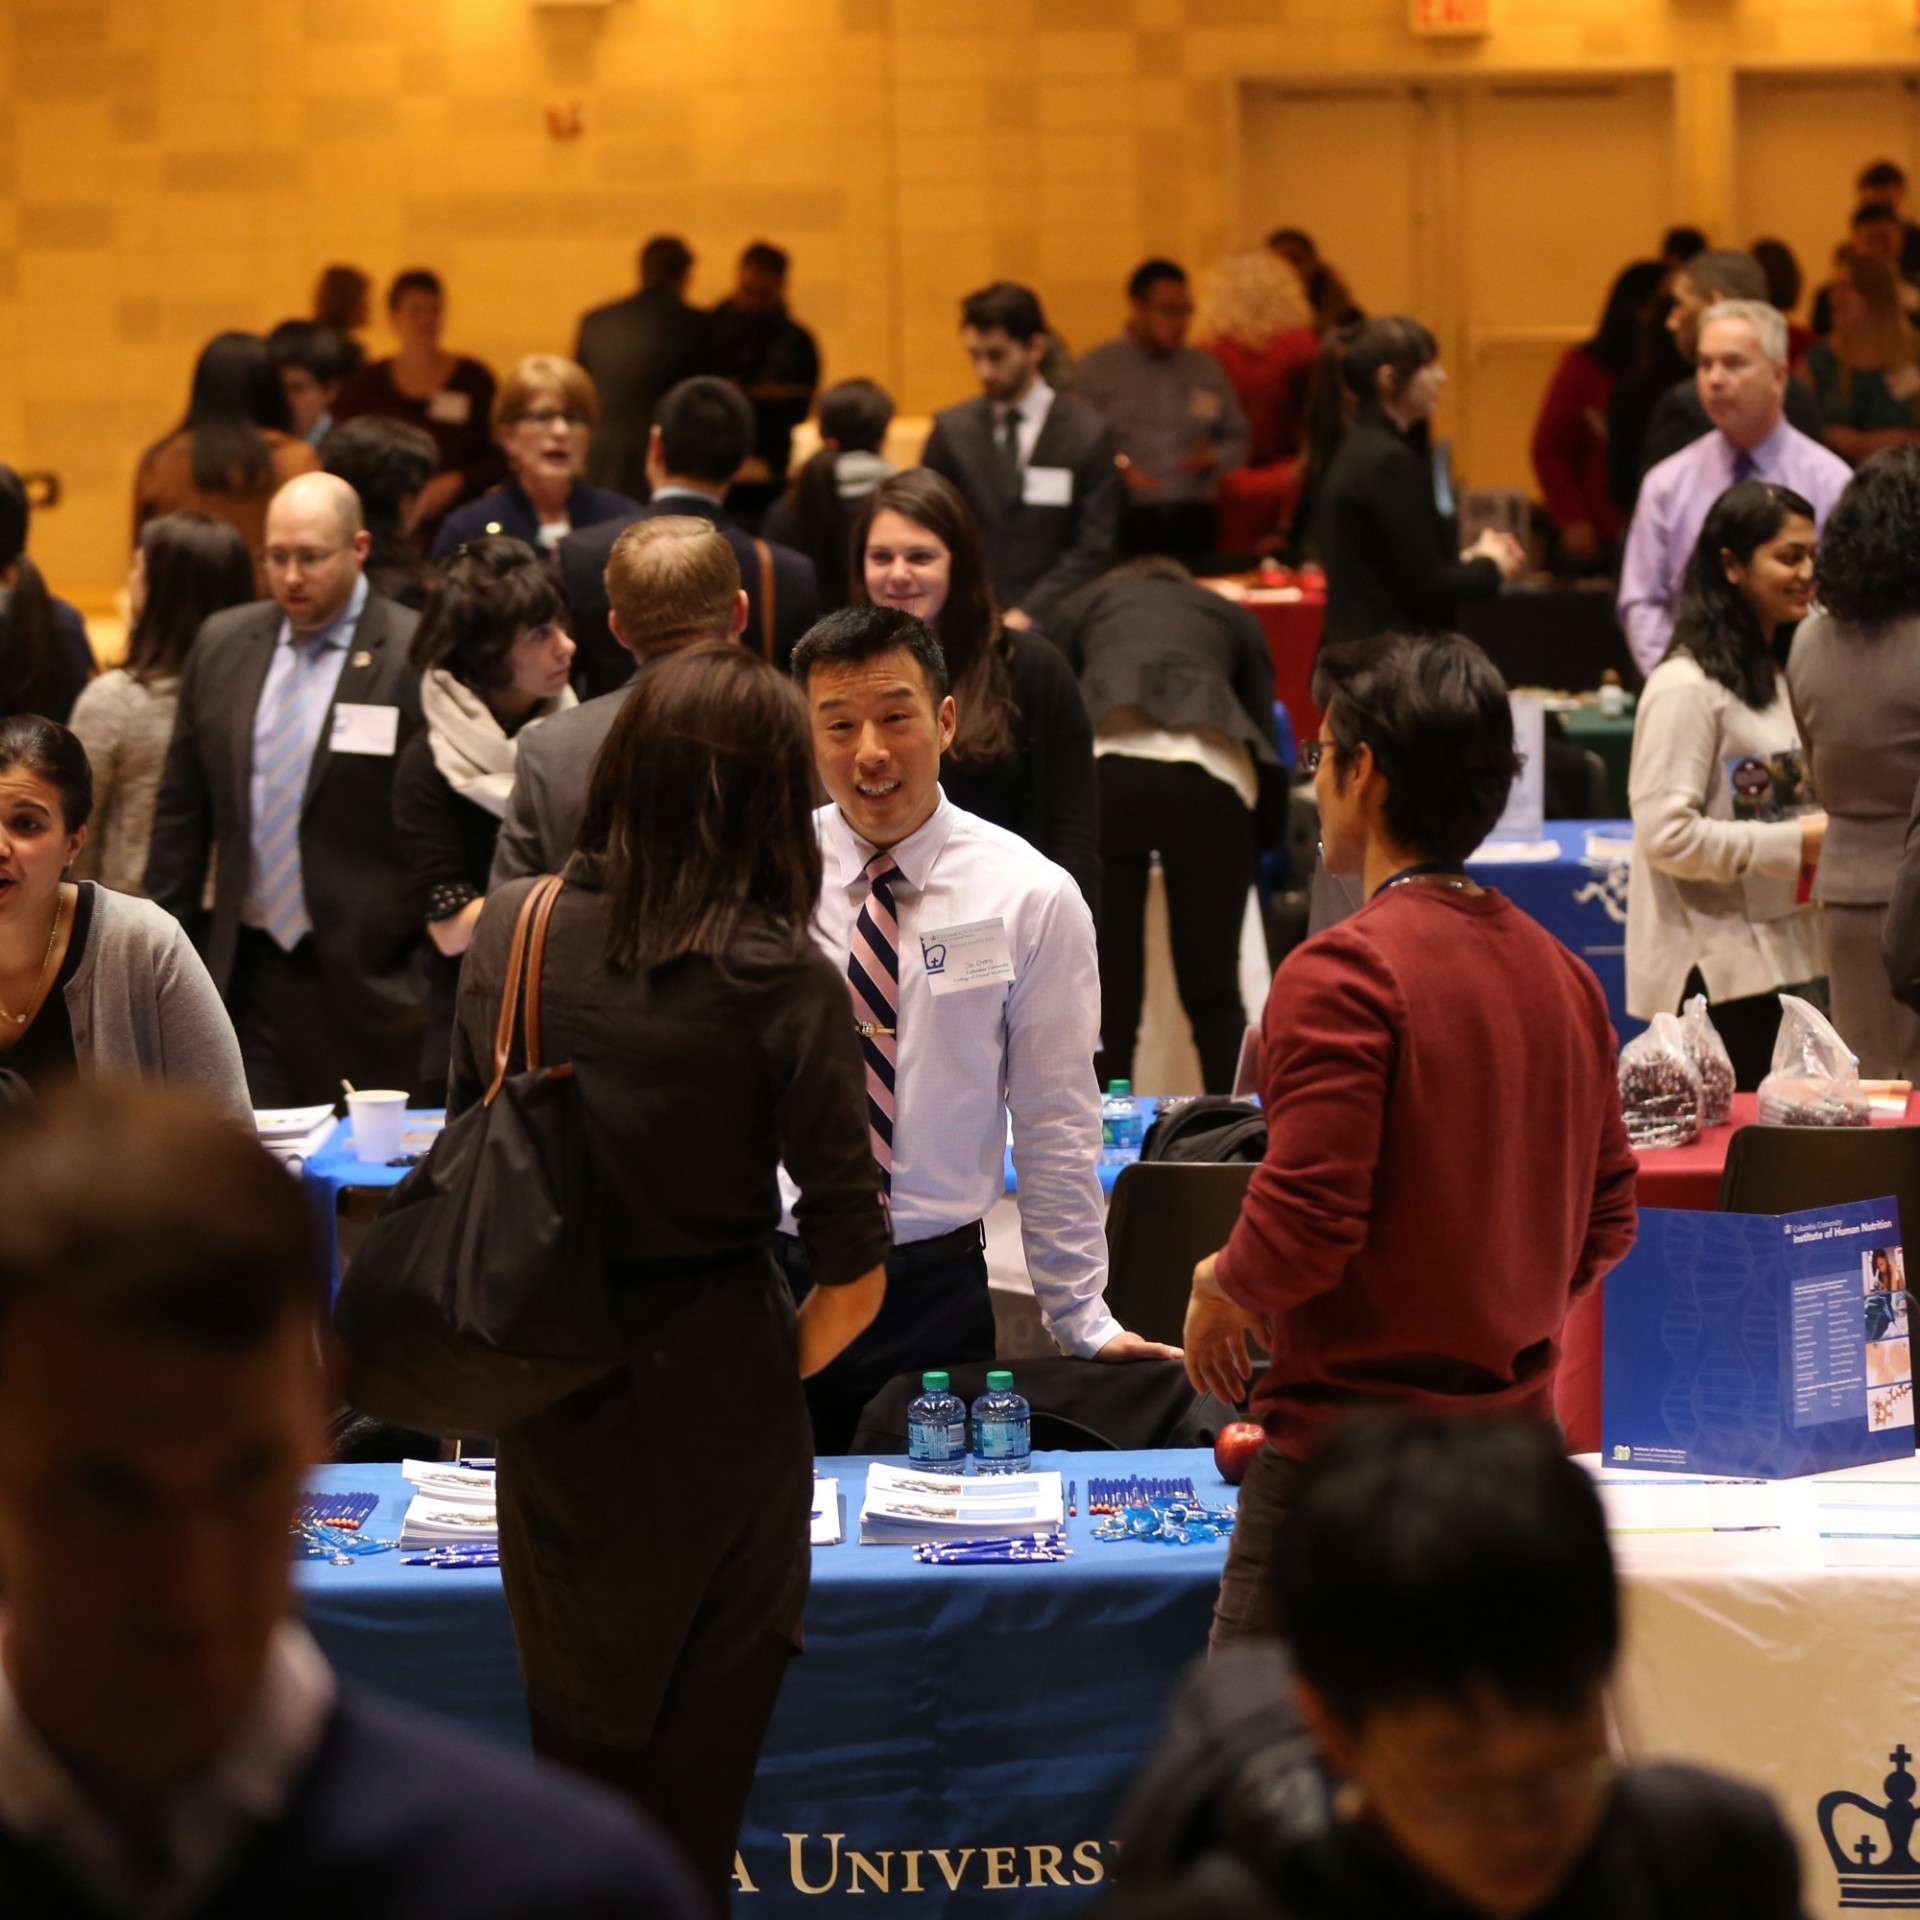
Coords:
654,1532
1023,757
1390,557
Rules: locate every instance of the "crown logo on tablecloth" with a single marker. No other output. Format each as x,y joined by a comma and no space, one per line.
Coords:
1877,1872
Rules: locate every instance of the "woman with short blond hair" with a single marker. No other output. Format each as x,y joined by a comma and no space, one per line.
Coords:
543,417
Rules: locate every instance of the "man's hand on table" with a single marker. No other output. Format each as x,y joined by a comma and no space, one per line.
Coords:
1216,1338
1131,1346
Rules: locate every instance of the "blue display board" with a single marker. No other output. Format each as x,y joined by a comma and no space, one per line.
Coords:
1764,1344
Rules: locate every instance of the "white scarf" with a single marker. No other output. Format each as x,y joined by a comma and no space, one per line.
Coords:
474,752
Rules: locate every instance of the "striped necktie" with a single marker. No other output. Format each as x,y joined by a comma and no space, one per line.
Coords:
873,976
278,884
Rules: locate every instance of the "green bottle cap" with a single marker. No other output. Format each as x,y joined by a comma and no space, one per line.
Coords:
1119,1089
1000,1382
933,1383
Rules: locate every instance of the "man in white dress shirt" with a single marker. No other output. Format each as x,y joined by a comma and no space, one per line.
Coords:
976,994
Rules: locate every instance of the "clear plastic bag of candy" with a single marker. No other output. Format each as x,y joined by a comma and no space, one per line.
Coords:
1711,1061
1815,1080
1660,1096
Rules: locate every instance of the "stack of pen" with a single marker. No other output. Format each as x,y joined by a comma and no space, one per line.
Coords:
475,1555
327,1526
1020,1549
1110,1496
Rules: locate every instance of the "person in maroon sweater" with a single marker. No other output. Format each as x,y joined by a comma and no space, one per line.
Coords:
1446,1167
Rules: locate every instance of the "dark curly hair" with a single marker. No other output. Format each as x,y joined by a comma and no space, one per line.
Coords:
1714,623
1867,570
490,591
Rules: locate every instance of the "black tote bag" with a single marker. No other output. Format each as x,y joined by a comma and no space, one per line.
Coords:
480,1294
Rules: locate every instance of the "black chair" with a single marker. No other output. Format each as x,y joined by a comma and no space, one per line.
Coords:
1166,1216
1788,1169
1079,1406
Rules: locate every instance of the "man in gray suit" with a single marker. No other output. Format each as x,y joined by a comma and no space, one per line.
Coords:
292,714
672,582
1037,467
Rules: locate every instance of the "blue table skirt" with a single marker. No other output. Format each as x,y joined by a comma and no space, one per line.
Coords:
1581,902
973,1725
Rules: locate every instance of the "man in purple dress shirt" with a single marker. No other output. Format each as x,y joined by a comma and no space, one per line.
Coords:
1742,370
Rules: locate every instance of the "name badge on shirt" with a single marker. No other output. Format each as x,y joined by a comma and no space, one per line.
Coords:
1047,487
450,407
362,729
958,959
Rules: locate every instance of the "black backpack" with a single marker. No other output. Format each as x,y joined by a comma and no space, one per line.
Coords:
1211,1128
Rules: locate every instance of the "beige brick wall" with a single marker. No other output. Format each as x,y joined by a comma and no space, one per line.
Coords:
170,167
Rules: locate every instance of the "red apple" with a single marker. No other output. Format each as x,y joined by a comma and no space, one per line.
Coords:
1239,1441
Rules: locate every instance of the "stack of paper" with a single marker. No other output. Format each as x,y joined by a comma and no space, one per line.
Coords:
826,1512
905,1507
451,1501
293,1135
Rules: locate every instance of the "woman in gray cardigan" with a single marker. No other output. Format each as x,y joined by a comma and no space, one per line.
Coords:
91,981
1854,675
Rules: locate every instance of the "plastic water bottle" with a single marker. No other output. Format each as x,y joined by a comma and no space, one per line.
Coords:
1120,1122
1002,1428
937,1424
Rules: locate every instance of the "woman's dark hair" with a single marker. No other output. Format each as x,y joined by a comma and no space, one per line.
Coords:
1868,564
43,747
978,655
700,809
1435,715
1714,623
1346,377
386,462
237,396
195,566
1784,279
1480,1529
32,677
340,297
414,280
489,592
1615,344
854,418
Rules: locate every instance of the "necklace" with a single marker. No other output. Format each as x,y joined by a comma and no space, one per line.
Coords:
1434,874
46,960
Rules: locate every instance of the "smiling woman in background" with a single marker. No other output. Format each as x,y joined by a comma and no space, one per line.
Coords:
1023,755
1717,903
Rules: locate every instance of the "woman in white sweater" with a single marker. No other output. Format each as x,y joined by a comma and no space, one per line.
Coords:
185,567
1724,840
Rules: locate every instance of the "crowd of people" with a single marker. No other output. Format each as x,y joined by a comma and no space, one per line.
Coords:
902,742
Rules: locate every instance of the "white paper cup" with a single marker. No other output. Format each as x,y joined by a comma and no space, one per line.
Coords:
379,1118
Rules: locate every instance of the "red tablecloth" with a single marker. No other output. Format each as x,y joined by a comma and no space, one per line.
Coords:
1292,628
1687,1180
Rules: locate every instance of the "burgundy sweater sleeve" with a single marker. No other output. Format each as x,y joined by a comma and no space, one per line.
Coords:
1615,1219
1328,1043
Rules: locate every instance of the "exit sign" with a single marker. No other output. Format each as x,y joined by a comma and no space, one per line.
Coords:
1456,16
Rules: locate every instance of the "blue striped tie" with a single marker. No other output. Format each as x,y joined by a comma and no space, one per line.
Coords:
277,881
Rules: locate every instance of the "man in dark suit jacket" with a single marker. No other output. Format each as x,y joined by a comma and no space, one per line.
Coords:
636,349
172,1740
292,715
703,434
674,582
1037,467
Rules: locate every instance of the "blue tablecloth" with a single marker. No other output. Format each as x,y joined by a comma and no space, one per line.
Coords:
964,1731
1582,902
337,1166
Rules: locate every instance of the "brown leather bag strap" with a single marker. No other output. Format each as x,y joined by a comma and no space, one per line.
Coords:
765,554
548,892
510,993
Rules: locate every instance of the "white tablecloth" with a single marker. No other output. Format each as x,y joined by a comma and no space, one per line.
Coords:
1773,1632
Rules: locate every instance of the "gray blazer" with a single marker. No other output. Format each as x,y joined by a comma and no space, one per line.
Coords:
142,1006
1036,556
1857,697
549,798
